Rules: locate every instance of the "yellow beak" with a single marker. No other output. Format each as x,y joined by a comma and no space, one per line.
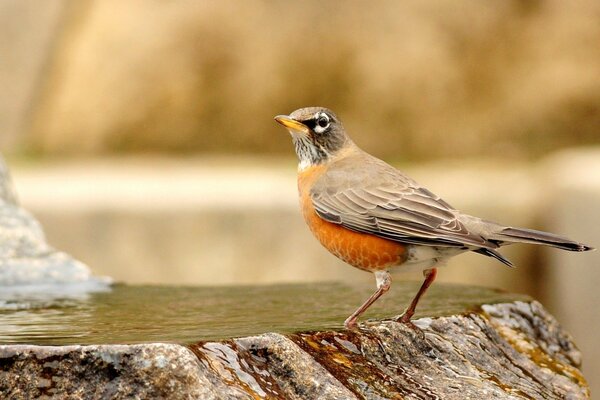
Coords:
292,125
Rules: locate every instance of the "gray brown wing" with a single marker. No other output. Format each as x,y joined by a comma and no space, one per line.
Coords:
393,207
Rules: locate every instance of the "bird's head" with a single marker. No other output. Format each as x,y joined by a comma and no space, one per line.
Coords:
317,133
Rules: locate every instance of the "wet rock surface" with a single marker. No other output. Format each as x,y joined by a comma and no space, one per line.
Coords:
509,350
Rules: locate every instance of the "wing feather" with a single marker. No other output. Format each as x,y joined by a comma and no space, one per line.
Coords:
389,205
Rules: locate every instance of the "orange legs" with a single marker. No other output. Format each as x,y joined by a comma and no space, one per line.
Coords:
384,281
430,275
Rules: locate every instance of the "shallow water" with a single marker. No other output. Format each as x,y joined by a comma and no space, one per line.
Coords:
135,314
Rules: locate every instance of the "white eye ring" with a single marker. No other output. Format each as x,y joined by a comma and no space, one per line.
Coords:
322,122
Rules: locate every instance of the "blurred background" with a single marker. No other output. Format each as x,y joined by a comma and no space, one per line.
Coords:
140,133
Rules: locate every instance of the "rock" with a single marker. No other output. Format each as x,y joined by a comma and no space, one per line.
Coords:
25,257
501,351
7,193
149,371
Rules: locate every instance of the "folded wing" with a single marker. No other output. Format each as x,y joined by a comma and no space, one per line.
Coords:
393,207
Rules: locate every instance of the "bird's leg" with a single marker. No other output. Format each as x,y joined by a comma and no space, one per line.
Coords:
384,281
430,275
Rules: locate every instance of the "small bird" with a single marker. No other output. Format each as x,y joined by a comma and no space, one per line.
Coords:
375,218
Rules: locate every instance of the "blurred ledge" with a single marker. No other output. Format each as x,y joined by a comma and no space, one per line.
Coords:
143,184
147,183
575,168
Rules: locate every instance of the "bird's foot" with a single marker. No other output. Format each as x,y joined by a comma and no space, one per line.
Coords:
405,319
350,324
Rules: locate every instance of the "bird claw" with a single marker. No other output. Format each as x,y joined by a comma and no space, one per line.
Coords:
405,319
350,324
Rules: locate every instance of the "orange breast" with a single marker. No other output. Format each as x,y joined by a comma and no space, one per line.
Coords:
364,251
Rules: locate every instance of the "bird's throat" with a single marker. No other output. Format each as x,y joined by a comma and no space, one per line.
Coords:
308,154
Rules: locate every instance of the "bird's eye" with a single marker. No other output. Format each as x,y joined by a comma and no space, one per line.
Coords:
322,122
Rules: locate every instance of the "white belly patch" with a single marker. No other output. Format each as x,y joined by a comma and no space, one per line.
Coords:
425,257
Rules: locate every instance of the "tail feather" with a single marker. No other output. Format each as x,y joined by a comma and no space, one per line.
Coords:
532,236
496,255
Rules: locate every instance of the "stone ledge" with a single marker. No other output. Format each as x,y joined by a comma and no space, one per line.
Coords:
501,351
154,370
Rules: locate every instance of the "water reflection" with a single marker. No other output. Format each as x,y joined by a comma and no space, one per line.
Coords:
38,313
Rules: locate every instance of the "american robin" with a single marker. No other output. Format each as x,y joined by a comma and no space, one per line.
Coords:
377,219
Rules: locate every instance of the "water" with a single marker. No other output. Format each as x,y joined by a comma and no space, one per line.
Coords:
63,314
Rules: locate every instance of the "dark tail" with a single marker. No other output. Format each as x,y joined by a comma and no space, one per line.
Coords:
494,254
522,235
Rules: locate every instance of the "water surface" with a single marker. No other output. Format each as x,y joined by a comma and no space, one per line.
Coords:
138,314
